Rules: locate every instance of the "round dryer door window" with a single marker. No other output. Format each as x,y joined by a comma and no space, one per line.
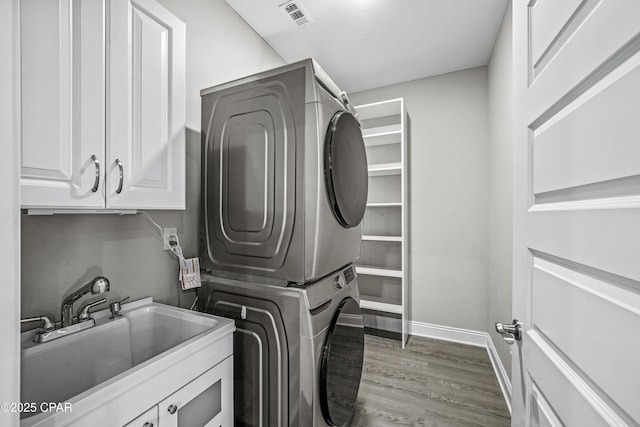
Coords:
341,366
345,168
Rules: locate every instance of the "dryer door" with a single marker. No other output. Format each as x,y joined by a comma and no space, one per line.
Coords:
341,365
345,169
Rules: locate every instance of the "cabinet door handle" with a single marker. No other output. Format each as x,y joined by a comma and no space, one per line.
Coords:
96,183
121,169
172,409
147,424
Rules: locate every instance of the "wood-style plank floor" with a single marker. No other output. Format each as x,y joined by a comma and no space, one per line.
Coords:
430,383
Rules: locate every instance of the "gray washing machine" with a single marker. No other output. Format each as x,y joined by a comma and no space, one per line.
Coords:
298,351
284,176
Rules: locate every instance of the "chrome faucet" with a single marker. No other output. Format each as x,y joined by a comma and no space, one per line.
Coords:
98,285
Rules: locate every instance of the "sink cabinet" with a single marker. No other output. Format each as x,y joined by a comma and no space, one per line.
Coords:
155,366
103,105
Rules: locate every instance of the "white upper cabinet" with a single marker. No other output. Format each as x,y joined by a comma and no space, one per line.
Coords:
63,104
146,107
103,105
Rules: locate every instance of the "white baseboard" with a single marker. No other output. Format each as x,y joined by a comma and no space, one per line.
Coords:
447,333
469,337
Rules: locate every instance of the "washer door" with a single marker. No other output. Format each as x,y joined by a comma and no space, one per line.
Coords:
341,366
345,169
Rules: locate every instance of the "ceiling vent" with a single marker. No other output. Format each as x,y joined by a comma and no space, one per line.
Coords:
296,12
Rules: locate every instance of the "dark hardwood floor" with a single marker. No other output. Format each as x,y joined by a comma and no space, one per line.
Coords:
430,383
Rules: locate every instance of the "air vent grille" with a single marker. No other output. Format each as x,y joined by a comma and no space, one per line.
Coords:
296,12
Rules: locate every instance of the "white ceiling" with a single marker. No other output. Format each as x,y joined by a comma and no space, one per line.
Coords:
364,44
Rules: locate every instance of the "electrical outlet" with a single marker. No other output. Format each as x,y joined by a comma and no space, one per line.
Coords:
168,232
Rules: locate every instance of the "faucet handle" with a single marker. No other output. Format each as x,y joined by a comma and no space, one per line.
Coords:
85,313
47,325
116,307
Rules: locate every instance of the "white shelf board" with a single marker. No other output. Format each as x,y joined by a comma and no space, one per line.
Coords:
382,238
385,169
384,138
394,130
375,271
379,109
369,303
384,205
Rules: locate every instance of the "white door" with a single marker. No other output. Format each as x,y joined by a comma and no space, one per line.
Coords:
63,113
577,212
146,107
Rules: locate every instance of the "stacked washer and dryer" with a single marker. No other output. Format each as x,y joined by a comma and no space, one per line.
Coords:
284,183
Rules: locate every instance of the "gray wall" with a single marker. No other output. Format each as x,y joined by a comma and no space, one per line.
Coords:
448,163
61,252
500,184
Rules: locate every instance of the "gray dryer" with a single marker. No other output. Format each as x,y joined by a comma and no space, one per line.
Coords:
284,174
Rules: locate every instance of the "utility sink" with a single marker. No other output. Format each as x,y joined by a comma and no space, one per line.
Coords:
113,356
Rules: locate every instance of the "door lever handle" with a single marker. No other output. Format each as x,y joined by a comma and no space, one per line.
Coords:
510,332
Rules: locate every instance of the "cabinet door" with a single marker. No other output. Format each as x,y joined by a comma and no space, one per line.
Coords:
146,107
63,103
148,419
205,401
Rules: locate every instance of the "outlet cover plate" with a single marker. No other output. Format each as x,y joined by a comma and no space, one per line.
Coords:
168,232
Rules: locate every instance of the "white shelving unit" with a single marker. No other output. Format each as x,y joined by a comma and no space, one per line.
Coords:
383,267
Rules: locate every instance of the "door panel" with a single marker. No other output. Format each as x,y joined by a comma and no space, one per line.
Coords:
564,300
567,395
547,20
541,414
578,48
151,64
576,214
63,113
593,139
146,135
602,237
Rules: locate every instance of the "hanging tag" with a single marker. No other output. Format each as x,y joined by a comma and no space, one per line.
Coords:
190,273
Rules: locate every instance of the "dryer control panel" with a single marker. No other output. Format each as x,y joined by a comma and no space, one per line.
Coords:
349,274
323,291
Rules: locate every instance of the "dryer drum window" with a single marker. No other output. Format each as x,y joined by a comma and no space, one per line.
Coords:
345,169
341,365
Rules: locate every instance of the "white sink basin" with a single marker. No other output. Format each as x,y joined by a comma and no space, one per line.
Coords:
71,368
